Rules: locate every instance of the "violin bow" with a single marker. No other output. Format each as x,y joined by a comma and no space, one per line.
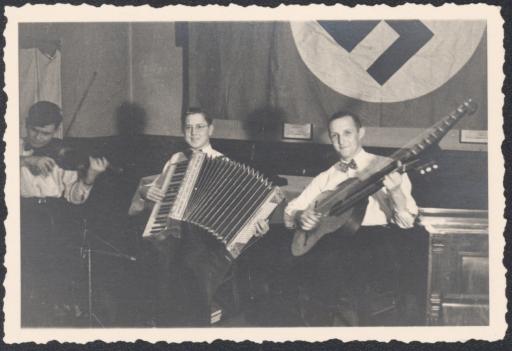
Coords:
81,102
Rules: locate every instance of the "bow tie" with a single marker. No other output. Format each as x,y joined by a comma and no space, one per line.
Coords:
344,166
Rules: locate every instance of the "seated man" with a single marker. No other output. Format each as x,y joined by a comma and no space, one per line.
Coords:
340,266
190,249
47,240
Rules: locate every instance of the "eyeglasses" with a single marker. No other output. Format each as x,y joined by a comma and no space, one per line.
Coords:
197,127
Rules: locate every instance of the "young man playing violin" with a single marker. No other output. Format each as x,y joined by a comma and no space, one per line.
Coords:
341,266
41,177
48,236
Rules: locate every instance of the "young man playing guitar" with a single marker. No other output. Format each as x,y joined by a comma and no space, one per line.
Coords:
341,265
392,204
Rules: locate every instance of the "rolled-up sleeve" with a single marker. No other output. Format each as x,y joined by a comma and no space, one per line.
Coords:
75,190
407,217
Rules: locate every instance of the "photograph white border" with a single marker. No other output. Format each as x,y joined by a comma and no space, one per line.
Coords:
68,13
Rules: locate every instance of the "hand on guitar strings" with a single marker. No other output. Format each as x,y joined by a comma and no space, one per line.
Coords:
309,219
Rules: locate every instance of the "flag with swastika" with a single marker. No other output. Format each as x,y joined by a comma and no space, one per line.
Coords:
394,73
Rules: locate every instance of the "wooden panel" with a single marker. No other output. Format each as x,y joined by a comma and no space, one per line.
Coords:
475,276
458,280
465,314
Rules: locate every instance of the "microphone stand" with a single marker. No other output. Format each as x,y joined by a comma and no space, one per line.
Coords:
86,253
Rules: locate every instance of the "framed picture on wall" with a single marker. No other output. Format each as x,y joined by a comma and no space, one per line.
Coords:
298,131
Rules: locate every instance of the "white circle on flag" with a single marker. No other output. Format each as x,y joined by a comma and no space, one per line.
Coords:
451,46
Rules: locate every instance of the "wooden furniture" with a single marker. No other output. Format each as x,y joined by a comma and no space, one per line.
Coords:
458,272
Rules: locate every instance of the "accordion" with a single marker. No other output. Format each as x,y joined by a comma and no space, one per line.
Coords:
223,197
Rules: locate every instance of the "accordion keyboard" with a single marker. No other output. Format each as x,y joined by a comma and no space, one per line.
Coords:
158,220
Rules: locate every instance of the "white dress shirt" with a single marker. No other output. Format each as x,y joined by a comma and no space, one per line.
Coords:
381,207
58,183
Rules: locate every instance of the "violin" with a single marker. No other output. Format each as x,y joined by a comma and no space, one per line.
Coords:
65,156
68,157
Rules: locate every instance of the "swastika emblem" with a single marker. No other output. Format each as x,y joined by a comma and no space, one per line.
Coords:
413,35
386,60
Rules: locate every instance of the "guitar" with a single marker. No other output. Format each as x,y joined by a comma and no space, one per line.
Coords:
343,208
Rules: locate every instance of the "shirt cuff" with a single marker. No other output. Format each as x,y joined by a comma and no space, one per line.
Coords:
404,219
79,193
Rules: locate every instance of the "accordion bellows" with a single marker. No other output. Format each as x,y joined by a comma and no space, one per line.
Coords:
224,197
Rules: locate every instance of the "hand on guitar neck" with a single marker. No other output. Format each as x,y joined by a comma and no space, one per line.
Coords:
392,183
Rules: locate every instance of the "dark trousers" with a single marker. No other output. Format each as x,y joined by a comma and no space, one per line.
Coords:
342,268
191,270
50,262
373,258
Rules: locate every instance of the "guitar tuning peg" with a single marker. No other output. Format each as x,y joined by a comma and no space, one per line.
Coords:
428,169
422,171
435,166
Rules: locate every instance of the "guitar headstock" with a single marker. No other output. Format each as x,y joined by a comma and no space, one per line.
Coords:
434,134
468,107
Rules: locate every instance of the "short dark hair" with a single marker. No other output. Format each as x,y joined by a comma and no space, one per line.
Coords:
342,114
195,111
43,113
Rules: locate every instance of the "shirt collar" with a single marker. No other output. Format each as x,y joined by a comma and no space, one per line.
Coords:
362,159
208,150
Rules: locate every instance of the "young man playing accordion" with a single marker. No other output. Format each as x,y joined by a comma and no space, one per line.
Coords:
189,255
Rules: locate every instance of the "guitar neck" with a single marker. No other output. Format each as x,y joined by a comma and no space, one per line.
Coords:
417,146
434,134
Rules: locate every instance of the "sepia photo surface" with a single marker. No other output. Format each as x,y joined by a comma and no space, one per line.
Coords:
298,173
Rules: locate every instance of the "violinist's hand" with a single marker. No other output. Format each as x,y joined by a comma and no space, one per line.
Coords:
38,164
153,193
262,227
96,167
309,219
